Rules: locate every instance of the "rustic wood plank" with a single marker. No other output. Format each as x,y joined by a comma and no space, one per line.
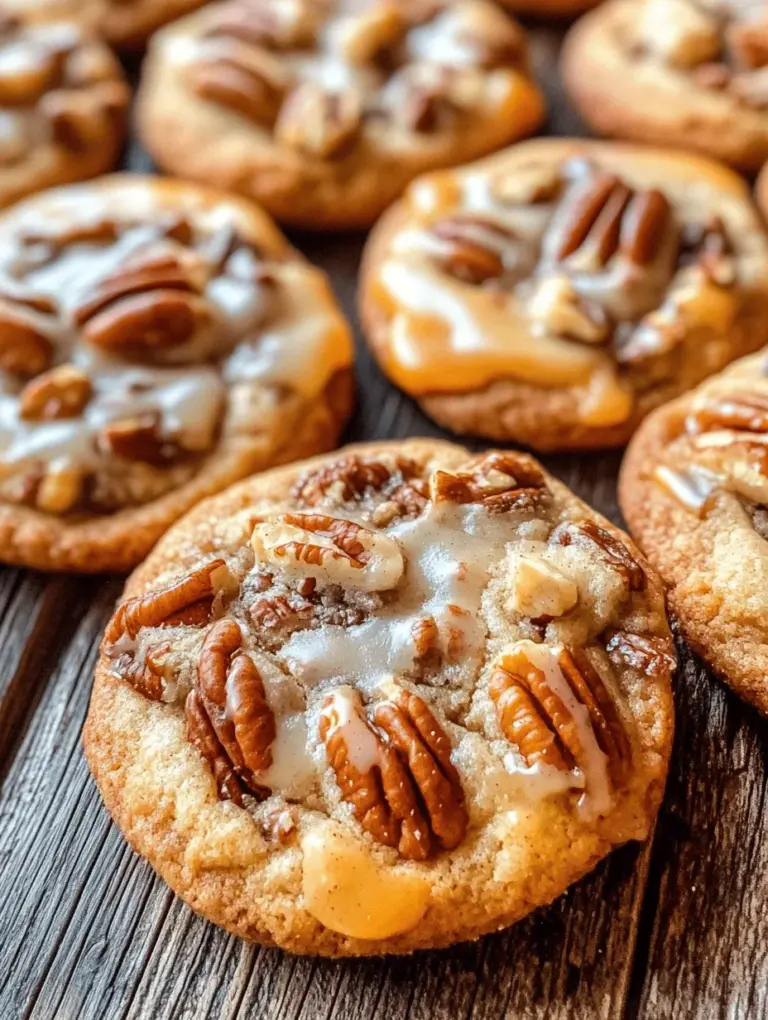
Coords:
708,952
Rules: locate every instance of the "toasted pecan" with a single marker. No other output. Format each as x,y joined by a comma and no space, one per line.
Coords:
609,548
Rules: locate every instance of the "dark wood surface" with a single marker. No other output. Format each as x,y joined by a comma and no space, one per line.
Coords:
673,930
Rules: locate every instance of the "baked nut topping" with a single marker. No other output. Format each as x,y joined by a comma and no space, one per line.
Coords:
351,102
377,671
560,309
64,100
694,488
153,337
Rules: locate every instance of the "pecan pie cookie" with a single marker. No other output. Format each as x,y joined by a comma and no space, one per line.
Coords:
63,101
324,111
124,23
694,489
555,293
158,341
384,700
675,72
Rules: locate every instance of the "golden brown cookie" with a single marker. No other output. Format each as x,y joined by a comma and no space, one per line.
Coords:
549,8
689,73
324,115
158,341
694,489
384,700
124,23
555,293
63,101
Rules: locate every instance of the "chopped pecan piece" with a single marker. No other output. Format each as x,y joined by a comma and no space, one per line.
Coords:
329,549
748,41
404,790
743,412
601,217
500,482
611,549
652,655
265,24
158,608
143,324
234,697
62,392
147,676
319,123
24,350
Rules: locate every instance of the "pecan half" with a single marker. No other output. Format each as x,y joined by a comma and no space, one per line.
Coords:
404,790
612,550
654,656
138,439
743,412
201,734
248,82
534,717
414,731
234,697
62,392
601,217
318,122
168,606
329,549
143,324
24,350
500,482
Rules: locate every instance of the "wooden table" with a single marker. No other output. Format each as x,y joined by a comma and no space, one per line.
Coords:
674,930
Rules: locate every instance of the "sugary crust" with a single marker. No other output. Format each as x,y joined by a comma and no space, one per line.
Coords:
644,102
302,426
211,852
207,143
721,615
548,419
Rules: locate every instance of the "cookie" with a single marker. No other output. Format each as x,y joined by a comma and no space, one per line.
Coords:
549,8
553,294
158,341
324,114
124,23
694,489
63,102
690,73
385,700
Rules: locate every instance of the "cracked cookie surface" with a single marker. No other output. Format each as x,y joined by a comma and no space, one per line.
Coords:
694,489
158,341
324,111
690,73
63,103
555,293
388,699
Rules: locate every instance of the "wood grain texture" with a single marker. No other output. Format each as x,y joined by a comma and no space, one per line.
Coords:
675,929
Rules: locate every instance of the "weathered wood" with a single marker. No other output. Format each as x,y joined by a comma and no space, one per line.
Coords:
88,932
